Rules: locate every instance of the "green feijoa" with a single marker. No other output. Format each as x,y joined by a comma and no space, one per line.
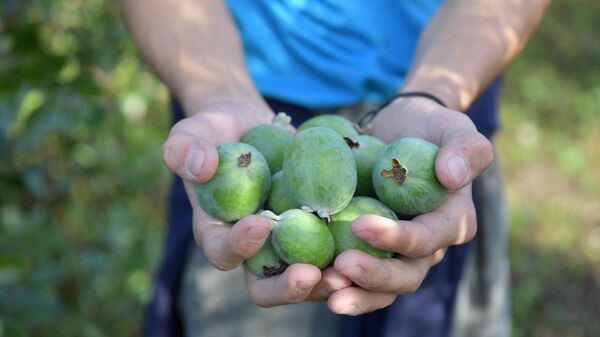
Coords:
319,171
271,140
240,185
301,237
366,149
280,200
266,262
404,177
341,225
339,124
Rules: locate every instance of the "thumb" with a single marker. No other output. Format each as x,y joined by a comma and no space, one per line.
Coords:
462,159
190,150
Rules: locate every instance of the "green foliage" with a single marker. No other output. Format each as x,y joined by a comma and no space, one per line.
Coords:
81,180
549,151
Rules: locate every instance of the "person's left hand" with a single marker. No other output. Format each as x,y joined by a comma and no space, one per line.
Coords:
420,243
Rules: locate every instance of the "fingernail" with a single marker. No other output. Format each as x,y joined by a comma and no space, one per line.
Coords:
256,234
458,169
303,286
194,160
351,310
353,272
366,235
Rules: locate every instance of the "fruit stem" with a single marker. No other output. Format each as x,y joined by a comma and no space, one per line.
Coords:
282,120
324,215
397,171
351,143
270,215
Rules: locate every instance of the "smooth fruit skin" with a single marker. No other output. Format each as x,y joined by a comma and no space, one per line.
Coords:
341,125
319,171
301,237
266,262
421,191
235,190
280,199
341,225
366,150
271,140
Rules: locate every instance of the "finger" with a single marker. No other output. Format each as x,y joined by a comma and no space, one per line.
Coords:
452,223
461,159
331,281
227,247
190,150
395,275
354,301
384,275
293,286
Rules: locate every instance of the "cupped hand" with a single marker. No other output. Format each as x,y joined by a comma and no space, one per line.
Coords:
421,242
190,152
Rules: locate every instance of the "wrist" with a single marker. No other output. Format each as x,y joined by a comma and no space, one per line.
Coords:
450,88
197,95
231,119
193,104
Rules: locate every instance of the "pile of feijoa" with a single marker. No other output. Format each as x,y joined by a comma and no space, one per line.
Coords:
312,185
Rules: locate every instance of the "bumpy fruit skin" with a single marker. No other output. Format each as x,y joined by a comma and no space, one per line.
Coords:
240,185
341,125
341,225
280,199
301,237
404,177
319,171
366,149
271,140
266,262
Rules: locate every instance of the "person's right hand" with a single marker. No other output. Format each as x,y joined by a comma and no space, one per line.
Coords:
190,152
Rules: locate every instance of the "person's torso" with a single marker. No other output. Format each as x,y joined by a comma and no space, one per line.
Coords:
326,53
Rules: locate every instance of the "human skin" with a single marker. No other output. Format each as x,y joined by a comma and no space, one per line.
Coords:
194,48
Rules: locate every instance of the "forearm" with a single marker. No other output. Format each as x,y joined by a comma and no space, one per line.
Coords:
194,48
467,45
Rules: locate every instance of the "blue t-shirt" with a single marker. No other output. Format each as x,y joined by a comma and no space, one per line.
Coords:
327,53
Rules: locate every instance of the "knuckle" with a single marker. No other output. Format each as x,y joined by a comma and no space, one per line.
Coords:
371,281
165,153
438,257
292,296
487,151
219,263
241,249
425,244
234,249
424,250
411,286
260,303
427,247
289,293
471,230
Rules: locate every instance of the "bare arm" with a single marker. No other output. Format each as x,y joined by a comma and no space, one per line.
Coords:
468,43
194,48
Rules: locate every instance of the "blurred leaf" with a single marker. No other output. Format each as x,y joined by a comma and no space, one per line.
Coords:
31,101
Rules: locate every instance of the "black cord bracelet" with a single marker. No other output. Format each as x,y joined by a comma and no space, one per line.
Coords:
368,117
